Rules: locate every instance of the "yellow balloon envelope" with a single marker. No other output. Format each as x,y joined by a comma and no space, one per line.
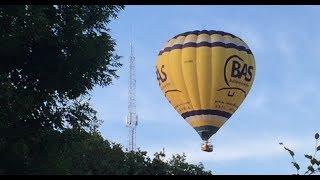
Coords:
205,75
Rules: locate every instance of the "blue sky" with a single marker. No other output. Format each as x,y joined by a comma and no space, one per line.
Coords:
282,105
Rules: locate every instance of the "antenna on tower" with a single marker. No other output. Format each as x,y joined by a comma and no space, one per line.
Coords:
132,117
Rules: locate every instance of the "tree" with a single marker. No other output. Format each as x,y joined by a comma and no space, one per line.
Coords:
179,166
83,153
313,167
51,57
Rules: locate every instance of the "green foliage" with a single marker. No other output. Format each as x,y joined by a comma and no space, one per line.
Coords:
51,57
313,167
79,152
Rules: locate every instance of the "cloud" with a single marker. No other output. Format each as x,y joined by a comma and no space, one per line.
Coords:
257,101
249,34
286,46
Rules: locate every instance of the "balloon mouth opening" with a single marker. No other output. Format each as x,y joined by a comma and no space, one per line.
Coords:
205,135
206,132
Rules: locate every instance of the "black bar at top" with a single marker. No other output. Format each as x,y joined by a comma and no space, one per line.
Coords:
206,44
209,32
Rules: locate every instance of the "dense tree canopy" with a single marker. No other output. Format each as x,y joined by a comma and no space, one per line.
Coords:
50,58
79,152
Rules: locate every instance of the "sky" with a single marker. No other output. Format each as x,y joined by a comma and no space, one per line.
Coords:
282,105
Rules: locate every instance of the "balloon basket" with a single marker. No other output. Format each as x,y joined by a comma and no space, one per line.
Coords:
206,146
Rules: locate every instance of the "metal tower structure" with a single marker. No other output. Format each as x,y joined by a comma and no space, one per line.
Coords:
132,117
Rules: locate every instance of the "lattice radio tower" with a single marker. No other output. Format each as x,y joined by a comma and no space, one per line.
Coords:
132,117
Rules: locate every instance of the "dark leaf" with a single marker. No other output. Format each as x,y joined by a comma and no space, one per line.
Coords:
308,156
290,151
316,136
281,143
318,148
310,168
296,165
313,161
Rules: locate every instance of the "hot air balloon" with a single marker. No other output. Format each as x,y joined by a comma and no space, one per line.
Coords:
205,75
